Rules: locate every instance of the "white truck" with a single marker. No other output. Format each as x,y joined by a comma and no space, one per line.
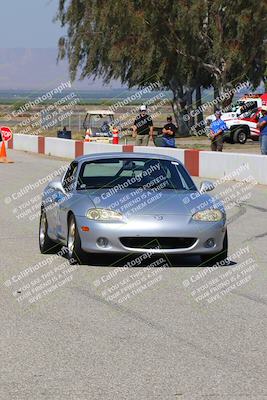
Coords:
243,127
246,103
242,120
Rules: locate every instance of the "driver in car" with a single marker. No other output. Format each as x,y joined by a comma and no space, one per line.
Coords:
105,127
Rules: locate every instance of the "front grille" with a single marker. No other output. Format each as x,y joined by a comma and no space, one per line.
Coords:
157,242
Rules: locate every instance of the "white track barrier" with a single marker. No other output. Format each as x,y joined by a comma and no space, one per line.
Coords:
206,164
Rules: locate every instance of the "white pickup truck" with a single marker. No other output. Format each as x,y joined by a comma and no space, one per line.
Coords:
243,127
242,120
246,103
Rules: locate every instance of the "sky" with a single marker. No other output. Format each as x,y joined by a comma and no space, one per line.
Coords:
29,23
28,48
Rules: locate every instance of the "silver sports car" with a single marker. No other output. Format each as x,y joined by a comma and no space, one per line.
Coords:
130,203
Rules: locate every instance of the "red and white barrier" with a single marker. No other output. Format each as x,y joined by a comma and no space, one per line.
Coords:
92,148
60,147
219,165
206,164
24,142
176,153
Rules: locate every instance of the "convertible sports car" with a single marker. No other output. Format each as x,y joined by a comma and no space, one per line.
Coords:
131,203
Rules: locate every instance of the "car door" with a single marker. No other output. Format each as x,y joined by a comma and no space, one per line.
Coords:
69,183
50,202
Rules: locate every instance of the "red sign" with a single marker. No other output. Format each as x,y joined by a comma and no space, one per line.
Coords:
6,133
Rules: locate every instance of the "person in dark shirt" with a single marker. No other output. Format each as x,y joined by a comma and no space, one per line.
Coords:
169,130
143,127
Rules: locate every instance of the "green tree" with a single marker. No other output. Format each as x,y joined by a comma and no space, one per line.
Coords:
236,31
186,44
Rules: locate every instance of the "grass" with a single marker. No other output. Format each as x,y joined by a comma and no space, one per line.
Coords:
197,146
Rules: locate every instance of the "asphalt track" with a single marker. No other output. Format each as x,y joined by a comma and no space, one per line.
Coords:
166,342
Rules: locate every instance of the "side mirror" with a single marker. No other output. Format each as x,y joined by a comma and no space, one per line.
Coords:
57,185
206,186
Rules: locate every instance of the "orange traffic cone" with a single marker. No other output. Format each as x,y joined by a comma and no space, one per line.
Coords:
87,136
115,134
3,156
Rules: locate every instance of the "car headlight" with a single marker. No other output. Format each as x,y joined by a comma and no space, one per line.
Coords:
211,215
103,214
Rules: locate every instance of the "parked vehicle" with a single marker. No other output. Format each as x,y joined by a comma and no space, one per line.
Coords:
98,124
242,128
246,104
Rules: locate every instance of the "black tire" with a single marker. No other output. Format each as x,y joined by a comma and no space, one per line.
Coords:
75,253
240,136
211,259
46,245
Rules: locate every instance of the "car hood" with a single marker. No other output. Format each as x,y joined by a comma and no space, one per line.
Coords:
149,202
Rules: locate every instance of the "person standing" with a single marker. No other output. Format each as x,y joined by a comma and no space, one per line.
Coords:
262,126
143,127
217,128
169,130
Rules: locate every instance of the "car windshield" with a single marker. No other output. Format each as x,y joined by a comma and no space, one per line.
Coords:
134,173
101,123
249,114
237,105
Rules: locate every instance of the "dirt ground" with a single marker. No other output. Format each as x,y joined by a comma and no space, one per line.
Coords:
203,143
191,142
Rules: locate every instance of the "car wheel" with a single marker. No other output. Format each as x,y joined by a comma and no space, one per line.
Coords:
211,259
46,245
240,136
75,253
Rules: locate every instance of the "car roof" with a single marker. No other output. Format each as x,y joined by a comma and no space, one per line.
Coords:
100,112
115,154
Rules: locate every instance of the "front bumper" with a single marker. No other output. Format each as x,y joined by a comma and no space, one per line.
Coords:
171,226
